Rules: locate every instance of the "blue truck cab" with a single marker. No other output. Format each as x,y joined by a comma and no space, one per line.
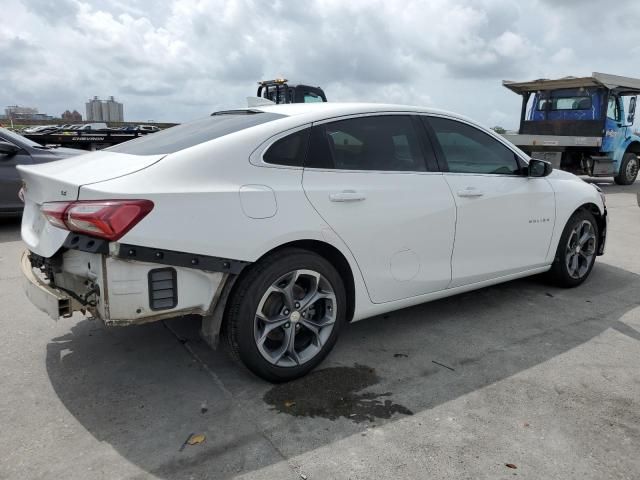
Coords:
580,124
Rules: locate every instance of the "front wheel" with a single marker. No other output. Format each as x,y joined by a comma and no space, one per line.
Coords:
628,169
576,253
285,314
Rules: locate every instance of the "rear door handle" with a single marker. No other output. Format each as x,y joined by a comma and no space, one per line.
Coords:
347,196
470,192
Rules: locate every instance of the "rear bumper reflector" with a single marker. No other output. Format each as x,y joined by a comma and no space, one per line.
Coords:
163,288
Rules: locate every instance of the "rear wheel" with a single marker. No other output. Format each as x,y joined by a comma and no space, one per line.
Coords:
576,252
628,169
285,314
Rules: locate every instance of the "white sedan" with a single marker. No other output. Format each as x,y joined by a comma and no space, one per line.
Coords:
280,224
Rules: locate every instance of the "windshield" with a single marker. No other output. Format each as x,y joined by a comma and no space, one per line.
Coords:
17,139
193,133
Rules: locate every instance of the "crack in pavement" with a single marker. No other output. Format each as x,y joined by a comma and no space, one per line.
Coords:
234,401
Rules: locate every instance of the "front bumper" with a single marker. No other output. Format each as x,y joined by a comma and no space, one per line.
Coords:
52,301
603,223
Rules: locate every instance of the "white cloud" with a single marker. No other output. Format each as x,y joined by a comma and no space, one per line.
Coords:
563,56
176,60
511,45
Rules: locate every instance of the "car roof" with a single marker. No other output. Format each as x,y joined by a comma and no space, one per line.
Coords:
322,110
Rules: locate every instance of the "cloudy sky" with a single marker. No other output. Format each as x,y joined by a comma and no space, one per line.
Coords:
174,60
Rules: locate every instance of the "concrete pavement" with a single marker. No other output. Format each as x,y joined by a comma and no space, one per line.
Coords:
522,373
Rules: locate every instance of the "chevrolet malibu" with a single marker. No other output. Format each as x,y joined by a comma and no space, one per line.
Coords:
278,225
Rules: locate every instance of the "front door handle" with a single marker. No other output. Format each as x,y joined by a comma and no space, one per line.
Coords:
470,192
347,196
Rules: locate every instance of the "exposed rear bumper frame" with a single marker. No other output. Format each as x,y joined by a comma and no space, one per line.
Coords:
50,300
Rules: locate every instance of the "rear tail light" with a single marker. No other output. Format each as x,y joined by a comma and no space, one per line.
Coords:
54,212
108,219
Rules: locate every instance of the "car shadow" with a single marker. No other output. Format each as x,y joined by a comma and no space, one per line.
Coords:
144,390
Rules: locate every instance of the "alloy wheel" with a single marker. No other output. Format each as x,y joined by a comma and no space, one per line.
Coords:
581,248
294,318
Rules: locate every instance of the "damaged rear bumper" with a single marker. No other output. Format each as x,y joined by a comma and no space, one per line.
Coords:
117,291
52,301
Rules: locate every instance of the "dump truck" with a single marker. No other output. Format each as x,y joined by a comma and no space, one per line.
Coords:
583,125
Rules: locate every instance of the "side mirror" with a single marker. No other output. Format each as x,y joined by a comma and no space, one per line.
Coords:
632,110
539,168
8,149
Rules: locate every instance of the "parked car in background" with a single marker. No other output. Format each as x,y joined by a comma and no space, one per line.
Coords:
148,128
280,224
92,126
39,128
16,150
140,128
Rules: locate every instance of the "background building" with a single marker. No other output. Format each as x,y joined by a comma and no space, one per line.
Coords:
94,109
16,112
72,116
104,110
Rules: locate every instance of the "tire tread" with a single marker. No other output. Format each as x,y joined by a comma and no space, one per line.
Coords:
558,274
621,178
242,290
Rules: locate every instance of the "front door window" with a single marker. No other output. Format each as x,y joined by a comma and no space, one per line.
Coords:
613,109
469,150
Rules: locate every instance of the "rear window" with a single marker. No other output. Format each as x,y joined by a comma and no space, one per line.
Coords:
193,133
565,103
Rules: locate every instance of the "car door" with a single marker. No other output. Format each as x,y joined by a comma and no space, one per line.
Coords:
373,179
10,180
614,134
504,218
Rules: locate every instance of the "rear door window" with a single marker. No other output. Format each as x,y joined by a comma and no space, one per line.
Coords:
193,133
383,143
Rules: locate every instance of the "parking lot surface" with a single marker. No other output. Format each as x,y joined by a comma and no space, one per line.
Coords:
521,379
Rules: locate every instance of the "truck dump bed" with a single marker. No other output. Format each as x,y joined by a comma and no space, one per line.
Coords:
611,82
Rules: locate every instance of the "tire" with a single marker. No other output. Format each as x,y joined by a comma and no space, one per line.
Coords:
275,339
628,169
565,272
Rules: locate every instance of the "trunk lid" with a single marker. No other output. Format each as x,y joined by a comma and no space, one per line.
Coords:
60,181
